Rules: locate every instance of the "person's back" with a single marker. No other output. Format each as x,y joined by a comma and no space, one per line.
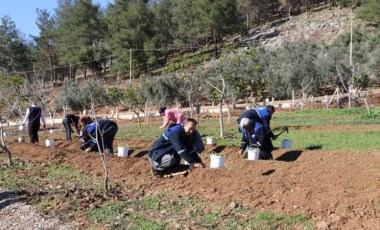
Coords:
256,114
262,115
67,121
172,116
106,131
34,114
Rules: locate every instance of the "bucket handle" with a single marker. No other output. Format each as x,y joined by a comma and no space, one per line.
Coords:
253,146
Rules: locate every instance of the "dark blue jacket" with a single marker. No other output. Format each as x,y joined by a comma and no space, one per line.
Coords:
175,141
250,138
104,126
261,115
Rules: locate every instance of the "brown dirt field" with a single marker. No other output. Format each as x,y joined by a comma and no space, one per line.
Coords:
339,188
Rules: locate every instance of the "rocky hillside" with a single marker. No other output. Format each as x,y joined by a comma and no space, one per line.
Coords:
321,26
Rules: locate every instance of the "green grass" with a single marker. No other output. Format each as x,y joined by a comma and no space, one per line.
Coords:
111,213
138,222
12,177
58,171
269,220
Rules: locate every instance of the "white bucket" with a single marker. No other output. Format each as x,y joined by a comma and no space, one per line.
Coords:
4,134
21,139
253,154
21,128
122,151
217,161
210,140
286,144
51,131
49,142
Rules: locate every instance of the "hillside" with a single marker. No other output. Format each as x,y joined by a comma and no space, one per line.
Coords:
314,27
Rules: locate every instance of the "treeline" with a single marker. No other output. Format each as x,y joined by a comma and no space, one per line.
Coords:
80,36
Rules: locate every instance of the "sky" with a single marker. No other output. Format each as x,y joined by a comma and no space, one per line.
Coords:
24,12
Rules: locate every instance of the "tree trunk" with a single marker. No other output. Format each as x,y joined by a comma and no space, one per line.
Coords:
117,113
221,121
138,121
215,44
4,147
228,112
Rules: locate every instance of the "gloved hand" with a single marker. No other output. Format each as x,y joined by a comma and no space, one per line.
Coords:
44,126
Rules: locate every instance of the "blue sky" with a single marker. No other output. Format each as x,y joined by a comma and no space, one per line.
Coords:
24,12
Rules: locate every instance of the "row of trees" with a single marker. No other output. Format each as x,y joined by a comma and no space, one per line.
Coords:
256,72
81,36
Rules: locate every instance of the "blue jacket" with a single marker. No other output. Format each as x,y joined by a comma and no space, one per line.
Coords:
104,126
175,141
261,115
250,138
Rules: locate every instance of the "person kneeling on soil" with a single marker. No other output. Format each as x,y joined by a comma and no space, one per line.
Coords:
261,115
180,141
255,133
101,132
67,121
172,117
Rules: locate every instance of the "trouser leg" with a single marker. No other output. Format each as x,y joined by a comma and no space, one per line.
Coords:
109,136
68,130
166,162
33,132
265,144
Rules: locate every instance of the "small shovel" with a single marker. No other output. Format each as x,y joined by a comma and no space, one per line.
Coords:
184,173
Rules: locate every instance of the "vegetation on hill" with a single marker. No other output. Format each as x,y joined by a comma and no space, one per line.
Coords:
132,36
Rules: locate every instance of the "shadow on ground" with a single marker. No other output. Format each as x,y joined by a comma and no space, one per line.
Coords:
268,172
290,156
314,147
219,149
141,154
8,198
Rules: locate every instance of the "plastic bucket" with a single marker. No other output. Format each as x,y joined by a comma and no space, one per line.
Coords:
217,161
210,140
51,131
286,144
253,154
49,142
122,151
21,128
21,139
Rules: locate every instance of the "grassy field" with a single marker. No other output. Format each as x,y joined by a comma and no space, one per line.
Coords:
344,137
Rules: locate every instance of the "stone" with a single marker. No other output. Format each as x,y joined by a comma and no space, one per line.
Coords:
322,225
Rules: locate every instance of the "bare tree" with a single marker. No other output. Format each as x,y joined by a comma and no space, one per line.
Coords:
221,91
97,138
4,147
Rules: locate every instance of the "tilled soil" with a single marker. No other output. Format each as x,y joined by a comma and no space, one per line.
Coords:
336,189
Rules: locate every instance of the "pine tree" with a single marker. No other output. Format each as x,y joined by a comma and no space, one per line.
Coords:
370,11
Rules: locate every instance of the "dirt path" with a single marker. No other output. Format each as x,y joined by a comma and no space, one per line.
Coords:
337,189
16,214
